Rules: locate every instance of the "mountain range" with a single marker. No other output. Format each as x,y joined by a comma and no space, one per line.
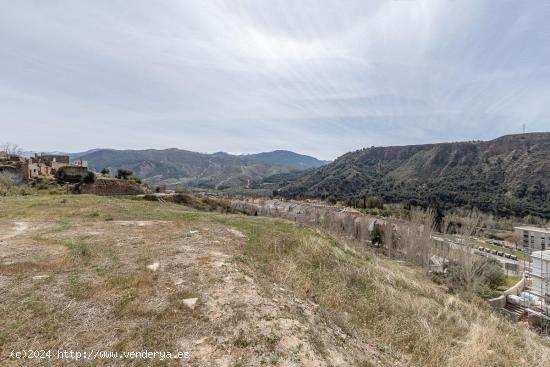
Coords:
508,176
213,171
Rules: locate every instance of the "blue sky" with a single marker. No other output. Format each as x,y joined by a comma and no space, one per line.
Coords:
317,77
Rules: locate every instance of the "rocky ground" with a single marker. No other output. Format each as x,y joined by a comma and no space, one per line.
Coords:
160,285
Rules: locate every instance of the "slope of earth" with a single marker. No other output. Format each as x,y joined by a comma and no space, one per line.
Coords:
87,273
287,158
506,176
175,166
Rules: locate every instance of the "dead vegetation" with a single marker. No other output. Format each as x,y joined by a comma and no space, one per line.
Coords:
231,290
394,307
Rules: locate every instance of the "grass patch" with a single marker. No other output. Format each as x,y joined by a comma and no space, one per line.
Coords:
79,249
512,280
122,305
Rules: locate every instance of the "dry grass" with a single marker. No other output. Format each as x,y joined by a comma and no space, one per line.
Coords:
99,292
397,307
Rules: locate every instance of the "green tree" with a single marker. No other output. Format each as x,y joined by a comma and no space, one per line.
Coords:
105,171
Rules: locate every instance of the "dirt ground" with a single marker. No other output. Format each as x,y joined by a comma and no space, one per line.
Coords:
155,285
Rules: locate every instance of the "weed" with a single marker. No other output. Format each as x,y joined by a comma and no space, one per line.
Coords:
273,339
122,304
242,341
296,349
259,349
79,249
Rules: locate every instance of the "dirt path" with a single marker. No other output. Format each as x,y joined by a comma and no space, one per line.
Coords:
17,229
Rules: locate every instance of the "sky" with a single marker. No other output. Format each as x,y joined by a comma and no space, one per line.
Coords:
316,77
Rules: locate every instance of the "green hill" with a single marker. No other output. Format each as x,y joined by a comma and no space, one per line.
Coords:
175,166
506,176
290,159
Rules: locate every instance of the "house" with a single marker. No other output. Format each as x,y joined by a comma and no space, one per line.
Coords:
529,238
71,172
80,163
41,165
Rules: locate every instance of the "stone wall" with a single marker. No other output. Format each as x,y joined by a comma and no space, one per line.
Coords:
500,302
113,187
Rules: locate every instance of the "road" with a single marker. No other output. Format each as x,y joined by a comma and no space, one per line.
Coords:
474,250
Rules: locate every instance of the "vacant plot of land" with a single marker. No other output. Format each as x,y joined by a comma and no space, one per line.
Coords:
86,273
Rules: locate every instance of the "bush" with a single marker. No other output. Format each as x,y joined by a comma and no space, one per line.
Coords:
377,235
493,275
7,183
89,178
123,174
489,277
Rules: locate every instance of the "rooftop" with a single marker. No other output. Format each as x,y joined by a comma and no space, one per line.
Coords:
533,229
544,255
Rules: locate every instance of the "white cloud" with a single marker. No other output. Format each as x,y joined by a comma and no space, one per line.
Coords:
317,77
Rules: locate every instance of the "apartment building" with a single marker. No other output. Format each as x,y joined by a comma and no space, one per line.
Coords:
529,238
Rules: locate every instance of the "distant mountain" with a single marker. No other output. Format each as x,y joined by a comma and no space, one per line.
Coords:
175,166
290,159
506,176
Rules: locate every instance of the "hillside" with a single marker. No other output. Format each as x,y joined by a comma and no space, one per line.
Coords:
213,171
175,166
287,158
506,176
87,273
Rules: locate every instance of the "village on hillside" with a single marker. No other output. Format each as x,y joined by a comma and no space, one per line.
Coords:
59,172
58,166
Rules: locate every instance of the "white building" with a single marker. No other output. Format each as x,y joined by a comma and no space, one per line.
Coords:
532,238
540,272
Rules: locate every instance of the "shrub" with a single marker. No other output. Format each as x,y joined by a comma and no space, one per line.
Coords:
377,235
488,276
7,183
123,174
89,178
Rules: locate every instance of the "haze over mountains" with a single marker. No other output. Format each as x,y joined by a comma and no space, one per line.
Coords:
507,176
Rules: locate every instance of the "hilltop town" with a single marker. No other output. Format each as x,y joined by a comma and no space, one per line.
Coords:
59,172
42,165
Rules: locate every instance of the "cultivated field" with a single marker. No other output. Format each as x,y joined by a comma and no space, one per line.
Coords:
86,273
